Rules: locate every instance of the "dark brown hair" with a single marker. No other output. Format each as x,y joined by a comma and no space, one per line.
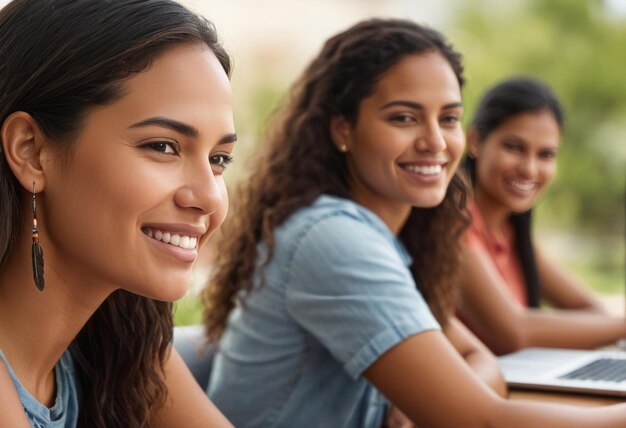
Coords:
300,162
59,58
513,96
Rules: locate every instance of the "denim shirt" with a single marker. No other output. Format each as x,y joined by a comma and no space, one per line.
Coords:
337,295
64,412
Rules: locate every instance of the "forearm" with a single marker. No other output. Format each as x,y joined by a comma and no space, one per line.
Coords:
523,414
477,356
485,367
572,329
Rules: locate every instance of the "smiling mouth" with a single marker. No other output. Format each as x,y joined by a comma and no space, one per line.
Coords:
523,186
423,169
177,240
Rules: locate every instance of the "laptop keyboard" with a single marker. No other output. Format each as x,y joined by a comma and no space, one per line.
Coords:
602,369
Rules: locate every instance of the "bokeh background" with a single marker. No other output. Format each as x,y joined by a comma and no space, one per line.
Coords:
576,46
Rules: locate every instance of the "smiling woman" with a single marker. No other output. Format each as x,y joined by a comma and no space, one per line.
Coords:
116,128
334,292
513,144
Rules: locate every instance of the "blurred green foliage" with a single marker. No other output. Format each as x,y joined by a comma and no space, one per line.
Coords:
578,48
188,311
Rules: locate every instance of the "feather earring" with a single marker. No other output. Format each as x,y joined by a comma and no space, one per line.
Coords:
37,250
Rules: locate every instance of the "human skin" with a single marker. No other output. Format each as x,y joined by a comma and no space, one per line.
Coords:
150,160
424,375
515,163
407,141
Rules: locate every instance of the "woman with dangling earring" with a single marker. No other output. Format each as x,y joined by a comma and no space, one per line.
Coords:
116,129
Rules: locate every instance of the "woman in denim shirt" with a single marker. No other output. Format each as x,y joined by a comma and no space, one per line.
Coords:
116,125
337,275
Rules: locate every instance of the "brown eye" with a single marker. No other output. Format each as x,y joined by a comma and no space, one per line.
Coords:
165,147
221,161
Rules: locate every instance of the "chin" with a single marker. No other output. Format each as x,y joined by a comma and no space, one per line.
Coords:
518,208
167,289
429,201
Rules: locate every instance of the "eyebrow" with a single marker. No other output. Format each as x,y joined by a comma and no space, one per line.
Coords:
174,125
418,106
180,127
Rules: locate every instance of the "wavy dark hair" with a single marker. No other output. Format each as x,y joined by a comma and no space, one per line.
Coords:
506,99
300,162
59,58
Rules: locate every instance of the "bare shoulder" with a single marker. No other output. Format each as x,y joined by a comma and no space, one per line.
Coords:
10,405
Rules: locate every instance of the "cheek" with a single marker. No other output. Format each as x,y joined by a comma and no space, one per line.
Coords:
549,172
456,144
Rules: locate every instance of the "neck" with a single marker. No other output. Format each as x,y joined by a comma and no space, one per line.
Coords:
36,327
394,216
494,215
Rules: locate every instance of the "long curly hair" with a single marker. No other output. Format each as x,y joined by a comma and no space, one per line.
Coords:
301,162
59,58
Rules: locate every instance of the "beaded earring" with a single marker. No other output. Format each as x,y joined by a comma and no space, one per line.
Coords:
37,250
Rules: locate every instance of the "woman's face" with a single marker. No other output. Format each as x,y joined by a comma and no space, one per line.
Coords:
406,144
516,161
142,187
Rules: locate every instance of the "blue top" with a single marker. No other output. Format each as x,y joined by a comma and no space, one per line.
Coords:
64,412
338,294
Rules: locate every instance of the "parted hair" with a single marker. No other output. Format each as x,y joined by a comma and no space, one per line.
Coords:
299,162
58,59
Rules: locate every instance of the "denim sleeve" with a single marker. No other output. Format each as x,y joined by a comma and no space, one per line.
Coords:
350,289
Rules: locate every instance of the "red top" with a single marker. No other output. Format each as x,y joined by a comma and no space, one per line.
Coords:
501,251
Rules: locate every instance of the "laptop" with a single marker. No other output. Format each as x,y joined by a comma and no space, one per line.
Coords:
591,372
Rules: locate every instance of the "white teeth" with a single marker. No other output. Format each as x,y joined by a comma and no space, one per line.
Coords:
426,170
524,186
182,241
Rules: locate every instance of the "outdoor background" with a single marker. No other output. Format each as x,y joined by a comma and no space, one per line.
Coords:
576,46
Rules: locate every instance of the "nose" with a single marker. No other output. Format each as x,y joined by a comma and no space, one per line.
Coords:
528,167
431,139
201,190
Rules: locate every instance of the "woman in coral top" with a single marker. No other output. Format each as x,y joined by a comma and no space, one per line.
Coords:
513,143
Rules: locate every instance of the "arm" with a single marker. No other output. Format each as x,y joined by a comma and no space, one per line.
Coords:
505,326
432,385
187,405
480,360
562,289
11,409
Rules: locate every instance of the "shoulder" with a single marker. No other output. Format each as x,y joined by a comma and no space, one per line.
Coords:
338,221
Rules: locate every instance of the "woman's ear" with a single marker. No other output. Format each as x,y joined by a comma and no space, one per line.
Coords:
341,133
22,141
473,143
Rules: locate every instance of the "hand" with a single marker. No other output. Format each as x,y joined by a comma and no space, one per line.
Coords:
397,419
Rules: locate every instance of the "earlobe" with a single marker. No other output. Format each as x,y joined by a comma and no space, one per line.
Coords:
22,141
341,133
